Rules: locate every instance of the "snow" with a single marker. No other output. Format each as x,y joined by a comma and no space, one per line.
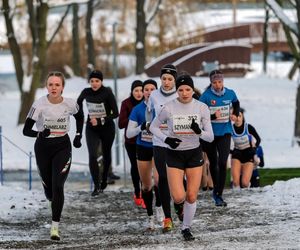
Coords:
269,100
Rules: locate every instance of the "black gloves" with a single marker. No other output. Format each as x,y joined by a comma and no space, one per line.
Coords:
143,126
173,142
195,127
45,133
77,141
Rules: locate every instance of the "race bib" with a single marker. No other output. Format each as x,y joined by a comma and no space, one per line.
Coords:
146,136
182,124
58,127
241,142
225,113
96,110
163,127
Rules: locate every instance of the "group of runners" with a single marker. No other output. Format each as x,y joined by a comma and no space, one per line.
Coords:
169,131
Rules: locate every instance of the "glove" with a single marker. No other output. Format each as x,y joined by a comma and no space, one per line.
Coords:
77,141
45,133
195,127
143,126
173,142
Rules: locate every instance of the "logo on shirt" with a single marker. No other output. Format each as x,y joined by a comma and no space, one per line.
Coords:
213,102
226,101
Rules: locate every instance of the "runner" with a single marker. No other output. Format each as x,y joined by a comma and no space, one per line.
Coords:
136,96
245,140
139,122
219,99
187,120
158,98
102,109
53,151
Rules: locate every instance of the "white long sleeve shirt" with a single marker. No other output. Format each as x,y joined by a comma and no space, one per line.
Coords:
178,117
156,102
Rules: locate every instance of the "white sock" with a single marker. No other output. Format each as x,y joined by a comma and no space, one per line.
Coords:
55,224
189,210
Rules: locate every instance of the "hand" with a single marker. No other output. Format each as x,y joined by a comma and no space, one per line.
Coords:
195,127
143,126
93,121
77,141
45,133
173,142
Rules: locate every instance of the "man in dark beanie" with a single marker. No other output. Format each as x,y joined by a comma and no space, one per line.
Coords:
184,80
169,69
96,74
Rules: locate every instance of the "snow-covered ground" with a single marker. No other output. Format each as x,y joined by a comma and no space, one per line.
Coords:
266,218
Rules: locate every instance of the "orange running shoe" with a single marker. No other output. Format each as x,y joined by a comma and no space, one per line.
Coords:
138,201
143,204
168,225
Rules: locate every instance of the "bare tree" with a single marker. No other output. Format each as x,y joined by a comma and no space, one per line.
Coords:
142,20
75,41
89,36
292,32
38,12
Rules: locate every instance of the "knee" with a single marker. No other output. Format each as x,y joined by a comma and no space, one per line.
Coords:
191,197
245,184
178,199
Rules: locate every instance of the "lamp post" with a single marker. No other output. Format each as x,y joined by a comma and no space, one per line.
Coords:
115,76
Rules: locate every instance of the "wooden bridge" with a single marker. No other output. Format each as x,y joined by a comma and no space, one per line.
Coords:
229,47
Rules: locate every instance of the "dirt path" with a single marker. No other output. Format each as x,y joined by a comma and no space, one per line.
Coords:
112,221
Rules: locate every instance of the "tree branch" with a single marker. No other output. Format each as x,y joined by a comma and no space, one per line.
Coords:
59,25
155,10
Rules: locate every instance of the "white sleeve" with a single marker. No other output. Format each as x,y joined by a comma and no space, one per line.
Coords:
207,133
158,120
132,129
34,111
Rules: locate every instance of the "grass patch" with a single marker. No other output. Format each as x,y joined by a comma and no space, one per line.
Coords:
268,175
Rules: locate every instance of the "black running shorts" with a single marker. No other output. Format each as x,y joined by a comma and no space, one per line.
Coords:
184,159
144,153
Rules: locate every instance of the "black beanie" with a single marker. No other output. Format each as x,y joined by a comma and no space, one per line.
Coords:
136,83
169,69
184,80
96,74
150,81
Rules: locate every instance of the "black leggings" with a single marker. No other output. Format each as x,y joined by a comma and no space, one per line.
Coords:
93,137
53,158
135,177
159,154
217,153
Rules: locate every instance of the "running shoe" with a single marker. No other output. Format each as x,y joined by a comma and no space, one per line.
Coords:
179,210
114,177
138,201
143,204
219,202
96,191
151,224
54,233
103,185
187,235
159,214
168,225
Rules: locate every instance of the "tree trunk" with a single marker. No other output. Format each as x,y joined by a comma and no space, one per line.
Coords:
141,27
297,115
13,44
265,40
75,41
39,63
89,36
